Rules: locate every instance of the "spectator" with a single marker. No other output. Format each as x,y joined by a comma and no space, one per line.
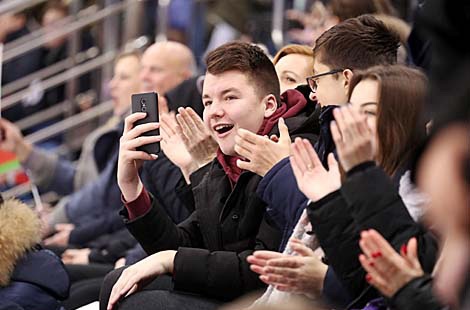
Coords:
293,63
30,277
207,241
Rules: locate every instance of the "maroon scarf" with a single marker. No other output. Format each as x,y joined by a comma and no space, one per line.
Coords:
292,102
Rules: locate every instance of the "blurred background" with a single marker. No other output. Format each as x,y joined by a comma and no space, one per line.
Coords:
57,56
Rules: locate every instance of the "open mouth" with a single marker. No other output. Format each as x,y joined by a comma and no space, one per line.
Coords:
223,128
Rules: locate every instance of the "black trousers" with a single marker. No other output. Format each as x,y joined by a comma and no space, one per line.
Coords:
158,295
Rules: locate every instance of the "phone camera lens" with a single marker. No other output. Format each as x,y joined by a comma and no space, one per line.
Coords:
143,105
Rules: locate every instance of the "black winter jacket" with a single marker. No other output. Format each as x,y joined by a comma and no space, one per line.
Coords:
367,199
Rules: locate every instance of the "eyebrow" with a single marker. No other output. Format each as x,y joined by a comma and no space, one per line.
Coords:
288,71
368,103
225,91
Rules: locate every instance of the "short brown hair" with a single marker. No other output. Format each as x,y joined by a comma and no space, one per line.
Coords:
357,43
400,121
248,59
345,9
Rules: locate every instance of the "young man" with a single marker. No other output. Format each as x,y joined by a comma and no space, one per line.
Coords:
207,252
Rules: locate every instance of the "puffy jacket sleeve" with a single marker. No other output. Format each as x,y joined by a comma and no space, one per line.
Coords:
416,294
374,202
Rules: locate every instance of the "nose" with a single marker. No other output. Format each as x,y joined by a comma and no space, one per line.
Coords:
143,74
112,83
215,111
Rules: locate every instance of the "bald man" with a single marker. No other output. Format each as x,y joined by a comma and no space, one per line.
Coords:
165,65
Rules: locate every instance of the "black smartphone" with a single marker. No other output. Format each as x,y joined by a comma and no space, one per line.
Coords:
147,103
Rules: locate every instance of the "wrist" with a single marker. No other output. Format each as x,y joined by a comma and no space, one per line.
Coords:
131,191
189,169
168,260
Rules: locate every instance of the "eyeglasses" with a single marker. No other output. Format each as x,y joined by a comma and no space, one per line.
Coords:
312,80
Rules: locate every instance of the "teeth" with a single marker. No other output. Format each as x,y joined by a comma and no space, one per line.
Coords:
220,127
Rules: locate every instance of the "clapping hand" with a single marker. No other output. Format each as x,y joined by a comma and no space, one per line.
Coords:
303,273
387,270
312,178
261,152
353,137
197,138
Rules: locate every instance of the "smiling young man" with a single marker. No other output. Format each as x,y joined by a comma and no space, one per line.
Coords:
206,254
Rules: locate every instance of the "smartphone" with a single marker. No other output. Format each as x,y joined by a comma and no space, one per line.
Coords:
147,103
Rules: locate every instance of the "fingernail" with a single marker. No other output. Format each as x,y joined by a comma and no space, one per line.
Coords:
368,277
404,249
376,254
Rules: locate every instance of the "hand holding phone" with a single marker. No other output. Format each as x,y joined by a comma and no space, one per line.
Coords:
147,103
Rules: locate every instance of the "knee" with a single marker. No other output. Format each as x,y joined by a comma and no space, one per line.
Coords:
109,280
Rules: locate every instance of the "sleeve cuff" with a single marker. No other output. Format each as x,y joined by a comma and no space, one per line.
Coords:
324,200
139,206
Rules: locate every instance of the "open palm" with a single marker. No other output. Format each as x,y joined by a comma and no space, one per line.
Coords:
172,143
312,178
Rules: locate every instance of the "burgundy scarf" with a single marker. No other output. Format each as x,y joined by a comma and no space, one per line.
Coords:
292,102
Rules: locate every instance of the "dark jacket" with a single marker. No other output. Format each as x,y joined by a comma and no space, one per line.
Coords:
226,226
279,188
38,282
367,199
30,277
94,208
215,240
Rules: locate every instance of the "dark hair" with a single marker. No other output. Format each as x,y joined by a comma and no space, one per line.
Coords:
345,9
400,123
357,43
248,59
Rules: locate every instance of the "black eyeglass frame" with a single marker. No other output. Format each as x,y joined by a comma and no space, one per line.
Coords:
316,76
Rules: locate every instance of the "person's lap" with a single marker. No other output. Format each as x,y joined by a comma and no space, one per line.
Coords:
156,295
160,299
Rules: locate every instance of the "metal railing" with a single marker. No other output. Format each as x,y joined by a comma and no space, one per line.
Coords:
14,6
50,70
71,122
277,32
58,79
39,37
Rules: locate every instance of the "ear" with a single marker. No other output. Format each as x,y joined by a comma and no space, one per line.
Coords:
347,76
270,105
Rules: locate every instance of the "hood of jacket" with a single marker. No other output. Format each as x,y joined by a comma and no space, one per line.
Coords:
19,232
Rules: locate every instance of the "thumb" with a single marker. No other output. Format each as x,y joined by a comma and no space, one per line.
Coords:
162,105
332,163
283,131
